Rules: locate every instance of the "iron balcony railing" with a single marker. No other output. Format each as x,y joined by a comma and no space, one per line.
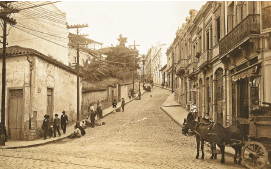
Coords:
205,57
250,25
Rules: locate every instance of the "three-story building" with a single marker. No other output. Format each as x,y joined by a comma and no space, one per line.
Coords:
224,60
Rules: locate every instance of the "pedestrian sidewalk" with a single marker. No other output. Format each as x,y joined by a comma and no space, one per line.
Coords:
178,114
69,130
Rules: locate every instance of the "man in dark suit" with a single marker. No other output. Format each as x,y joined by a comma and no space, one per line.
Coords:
56,125
45,125
64,121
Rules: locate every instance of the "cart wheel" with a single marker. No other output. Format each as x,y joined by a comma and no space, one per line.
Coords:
254,155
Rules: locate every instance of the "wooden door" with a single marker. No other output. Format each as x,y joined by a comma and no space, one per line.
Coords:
219,95
243,107
50,104
208,99
233,100
15,114
200,98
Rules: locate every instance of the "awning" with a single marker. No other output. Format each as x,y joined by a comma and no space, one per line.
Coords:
247,73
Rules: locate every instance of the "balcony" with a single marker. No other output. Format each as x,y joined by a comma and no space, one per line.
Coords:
250,25
266,14
204,59
191,70
181,67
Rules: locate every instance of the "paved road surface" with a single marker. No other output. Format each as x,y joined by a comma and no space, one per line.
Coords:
141,137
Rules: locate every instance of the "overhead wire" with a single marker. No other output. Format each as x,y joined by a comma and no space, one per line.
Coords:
27,22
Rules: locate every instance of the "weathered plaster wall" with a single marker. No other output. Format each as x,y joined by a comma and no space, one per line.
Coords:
64,85
17,77
92,98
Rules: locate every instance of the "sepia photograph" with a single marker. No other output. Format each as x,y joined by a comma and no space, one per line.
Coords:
135,84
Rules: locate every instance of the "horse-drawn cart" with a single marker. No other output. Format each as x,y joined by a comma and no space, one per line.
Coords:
255,151
254,145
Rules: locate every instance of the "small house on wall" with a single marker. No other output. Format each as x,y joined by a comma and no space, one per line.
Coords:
36,85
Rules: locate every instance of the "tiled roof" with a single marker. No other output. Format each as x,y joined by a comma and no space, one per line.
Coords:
21,51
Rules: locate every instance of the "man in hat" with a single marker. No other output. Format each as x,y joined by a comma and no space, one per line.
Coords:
56,125
64,121
99,115
45,126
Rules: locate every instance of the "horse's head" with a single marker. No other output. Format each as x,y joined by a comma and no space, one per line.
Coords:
188,125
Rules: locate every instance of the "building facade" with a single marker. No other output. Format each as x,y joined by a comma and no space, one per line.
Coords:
148,67
159,61
37,71
224,60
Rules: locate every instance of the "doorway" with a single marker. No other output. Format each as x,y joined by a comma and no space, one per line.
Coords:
243,98
200,98
50,104
219,95
15,114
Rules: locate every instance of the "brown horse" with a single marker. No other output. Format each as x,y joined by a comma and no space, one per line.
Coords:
199,130
228,135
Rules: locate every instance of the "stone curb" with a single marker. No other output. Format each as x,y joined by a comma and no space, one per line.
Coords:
171,116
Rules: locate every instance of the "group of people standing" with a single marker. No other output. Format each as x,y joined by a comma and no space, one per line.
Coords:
114,105
49,129
131,94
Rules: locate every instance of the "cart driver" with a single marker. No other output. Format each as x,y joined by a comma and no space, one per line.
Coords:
194,110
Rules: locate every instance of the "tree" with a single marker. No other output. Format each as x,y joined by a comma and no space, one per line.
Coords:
119,63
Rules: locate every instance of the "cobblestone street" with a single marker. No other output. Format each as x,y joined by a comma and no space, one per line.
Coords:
141,137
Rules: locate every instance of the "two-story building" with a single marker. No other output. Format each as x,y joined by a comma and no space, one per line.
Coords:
37,71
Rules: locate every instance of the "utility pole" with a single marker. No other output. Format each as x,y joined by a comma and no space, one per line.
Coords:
172,70
6,19
134,67
3,15
77,64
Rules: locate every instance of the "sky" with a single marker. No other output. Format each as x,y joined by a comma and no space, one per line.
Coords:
145,22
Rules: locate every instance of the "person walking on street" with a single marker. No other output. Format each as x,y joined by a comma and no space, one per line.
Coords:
45,126
129,94
64,121
122,104
92,118
139,95
99,115
56,125
114,104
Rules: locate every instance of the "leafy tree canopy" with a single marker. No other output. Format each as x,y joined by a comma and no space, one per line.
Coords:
119,63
